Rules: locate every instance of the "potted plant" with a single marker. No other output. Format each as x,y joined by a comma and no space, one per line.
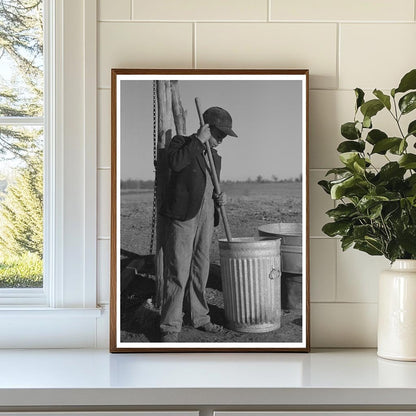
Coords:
376,207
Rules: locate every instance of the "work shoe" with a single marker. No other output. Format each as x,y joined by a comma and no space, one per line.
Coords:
211,327
170,337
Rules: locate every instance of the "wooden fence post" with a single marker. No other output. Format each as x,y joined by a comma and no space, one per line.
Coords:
170,112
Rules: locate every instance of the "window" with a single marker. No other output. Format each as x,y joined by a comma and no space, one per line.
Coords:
22,139
63,313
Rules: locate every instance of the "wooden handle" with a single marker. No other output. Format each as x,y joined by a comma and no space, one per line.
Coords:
214,176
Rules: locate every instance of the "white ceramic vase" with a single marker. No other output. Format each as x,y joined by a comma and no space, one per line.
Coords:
397,312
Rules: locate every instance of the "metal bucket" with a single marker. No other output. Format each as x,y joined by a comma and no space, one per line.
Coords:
250,274
291,291
291,235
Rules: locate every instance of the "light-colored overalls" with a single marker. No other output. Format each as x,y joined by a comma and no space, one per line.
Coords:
187,257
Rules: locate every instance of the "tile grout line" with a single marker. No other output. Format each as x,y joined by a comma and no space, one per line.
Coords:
338,64
336,271
307,22
194,62
131,9
322,237
355,302
269,10
338,242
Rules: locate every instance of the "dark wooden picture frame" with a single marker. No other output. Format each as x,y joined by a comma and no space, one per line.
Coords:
260,299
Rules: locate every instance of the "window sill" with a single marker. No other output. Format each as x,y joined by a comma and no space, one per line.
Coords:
39,311
330,379
40,327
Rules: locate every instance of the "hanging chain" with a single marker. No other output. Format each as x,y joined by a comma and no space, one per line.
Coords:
154,210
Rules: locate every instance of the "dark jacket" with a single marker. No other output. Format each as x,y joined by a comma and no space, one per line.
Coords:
187,178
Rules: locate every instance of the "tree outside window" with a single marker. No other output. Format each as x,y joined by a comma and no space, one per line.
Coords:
21,143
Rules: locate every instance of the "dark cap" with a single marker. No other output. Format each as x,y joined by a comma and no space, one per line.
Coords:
220,118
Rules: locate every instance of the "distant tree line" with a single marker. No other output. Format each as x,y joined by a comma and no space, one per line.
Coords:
149,184
261,179
136,184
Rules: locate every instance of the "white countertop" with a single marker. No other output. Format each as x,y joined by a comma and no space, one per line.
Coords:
96,377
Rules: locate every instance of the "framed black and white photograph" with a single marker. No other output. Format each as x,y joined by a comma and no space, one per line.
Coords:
209,211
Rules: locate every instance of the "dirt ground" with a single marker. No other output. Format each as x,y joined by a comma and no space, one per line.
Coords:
249,206
140,319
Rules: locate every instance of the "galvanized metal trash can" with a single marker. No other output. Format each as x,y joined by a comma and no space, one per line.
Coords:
291,291
291,249
291,235
251,281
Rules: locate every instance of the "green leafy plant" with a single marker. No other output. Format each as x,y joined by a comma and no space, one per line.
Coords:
376,210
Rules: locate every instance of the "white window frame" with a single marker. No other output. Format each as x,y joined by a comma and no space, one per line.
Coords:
40,296
64,313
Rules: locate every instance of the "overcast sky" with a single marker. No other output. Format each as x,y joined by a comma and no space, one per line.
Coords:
267,117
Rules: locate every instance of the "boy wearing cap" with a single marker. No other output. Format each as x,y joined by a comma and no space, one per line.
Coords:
192,208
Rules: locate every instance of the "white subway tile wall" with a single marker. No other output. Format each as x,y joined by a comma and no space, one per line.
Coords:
328,109
270,45
319,203
103,270
355,10
323,269
365,49
357,275
145,45
345,44
104,128
200,10
114,10
104,202
349,325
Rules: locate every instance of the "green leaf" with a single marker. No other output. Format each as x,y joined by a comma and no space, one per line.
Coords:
359,95
348,158
411,180
375,211
361,231
359,165
408,82
411,130
393,250
385,99
412,201
368,248
392,211
407,240
375,136
347,185
402,147
398,149
411,185
374,242
346,242
338,171
408,161
325,186
367,122
342,211
408,102
350,131
338,189
391,170
371,108
383,145
336,228
369,201
349,146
